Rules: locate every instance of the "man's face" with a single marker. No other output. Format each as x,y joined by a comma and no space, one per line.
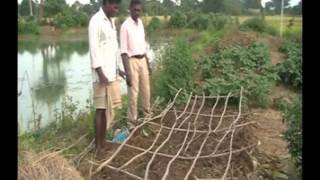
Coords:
135,11
112,9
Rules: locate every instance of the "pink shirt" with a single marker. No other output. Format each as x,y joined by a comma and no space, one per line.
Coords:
132,37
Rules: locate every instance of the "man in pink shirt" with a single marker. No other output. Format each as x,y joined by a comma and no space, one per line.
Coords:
136,64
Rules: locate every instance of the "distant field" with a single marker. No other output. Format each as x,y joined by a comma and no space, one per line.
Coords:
275,22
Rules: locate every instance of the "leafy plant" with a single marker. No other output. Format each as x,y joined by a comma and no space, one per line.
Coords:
175,70
230,68
28,26
178,20
290,71
294,133
154,25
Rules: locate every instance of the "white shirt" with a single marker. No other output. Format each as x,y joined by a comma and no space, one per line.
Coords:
104,47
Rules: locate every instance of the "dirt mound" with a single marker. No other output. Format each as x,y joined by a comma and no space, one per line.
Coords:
213,158
46,165
238,38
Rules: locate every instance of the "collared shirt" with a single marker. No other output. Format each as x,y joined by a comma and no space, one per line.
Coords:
132,37
104,47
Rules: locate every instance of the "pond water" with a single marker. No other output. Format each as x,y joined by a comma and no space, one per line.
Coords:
51,72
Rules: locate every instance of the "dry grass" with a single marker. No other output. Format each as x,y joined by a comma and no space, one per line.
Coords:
40,166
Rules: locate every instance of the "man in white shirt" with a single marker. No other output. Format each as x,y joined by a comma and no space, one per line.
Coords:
136,64
104,49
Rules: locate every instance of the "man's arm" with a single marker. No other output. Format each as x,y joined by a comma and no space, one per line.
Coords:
125,61
124,53
96,62
148,63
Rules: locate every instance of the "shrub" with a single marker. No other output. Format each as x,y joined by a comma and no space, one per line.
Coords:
28,27
178,20
175,70
294,133
290,71
205,21
70,18
154,25
230,68
255,24
259,25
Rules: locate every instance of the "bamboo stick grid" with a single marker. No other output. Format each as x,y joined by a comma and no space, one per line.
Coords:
189,137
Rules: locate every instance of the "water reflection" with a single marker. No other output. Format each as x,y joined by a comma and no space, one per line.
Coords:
48,72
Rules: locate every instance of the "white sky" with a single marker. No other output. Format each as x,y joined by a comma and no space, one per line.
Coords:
70,2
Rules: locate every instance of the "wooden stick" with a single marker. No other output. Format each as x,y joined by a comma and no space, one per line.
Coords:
231,140
230,156
84,152
205,139
167,139
156,151
192,108
231,125
224,111
217,116
192,157
143,153
116,169
57,152
194,124
177,154
135,129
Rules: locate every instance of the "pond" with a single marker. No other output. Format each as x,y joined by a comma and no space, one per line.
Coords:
51,72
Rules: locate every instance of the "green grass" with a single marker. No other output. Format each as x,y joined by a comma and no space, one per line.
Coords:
295,32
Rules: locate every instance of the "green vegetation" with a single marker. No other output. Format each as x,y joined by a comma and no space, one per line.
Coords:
28,26
258,25
178,20
294,132
154,25
235,66
174,71
70,18
290,71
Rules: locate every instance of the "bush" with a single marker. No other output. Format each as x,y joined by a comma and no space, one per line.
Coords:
259,25
178,20
205,21
255,24
28,26
70,18
230,68
153,25
218,21
175,70
294,133
200,22
290,71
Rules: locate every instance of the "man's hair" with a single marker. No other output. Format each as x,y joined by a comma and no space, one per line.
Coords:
104,2
135,2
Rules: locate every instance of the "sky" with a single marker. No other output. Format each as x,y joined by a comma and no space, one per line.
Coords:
70,2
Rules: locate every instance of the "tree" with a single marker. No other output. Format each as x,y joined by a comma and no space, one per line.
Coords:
169,6
25,9
212,5
53,7
297,9
232,7
188,5
277,5
30,6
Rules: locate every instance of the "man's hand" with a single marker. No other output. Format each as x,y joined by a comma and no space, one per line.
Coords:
122,74
150,70
149,66
128,79
103,80
125,61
